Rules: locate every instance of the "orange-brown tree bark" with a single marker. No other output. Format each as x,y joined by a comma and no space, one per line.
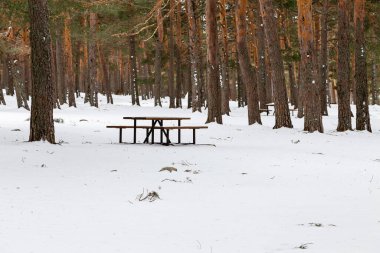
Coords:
213,87
247,72
313,116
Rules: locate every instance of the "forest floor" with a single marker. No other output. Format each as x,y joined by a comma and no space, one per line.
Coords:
254,189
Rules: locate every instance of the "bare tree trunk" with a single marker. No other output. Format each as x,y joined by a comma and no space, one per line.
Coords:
247,72
77,72
11,89
276,65
373,83
313,117
41,120
158,57
106,79
261,71
178,48
224,59
17,74
93,85
343,85
213,88
324,58
171,55
195,57
60,67
361,79
134,86
68,52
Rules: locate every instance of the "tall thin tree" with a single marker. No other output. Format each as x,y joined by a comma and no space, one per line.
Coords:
247,72
343,84
313,116
276,64
361,79
213,88
41,120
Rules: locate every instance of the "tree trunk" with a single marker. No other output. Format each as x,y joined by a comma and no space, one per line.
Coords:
313,117
41,120
343,68
261,71
11,89
171,56
158,57
77,73
134,84
61,87
18,82
373,83
247,72
324,58
68,58
276,65
178,56
106,80
195,57
93,85
213,88
224,64
361,79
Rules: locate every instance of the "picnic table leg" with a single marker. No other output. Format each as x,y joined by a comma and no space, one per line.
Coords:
134,130
161,136
120,135
193,136
179,132
153,123
167,138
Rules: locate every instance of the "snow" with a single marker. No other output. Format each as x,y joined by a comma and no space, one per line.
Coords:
256,190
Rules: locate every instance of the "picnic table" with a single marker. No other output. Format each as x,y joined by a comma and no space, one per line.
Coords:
292,110
157,123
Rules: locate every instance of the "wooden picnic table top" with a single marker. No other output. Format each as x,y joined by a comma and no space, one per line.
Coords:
157,118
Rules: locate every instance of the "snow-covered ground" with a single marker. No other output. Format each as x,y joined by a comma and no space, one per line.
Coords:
255,190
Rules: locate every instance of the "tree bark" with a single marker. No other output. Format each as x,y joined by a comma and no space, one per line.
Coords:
68,58
178,48
195,57
213,88
313,117
106,79
343,71
373,83
324,57
41,120
247,72
93,85
361,79
134,84
276,65
158,56
261,71
224,60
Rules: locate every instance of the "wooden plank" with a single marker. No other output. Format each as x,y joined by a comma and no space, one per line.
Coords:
164,127
181,127
157,118
129,127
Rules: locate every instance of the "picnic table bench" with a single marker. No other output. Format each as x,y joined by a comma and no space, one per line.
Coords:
157,123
